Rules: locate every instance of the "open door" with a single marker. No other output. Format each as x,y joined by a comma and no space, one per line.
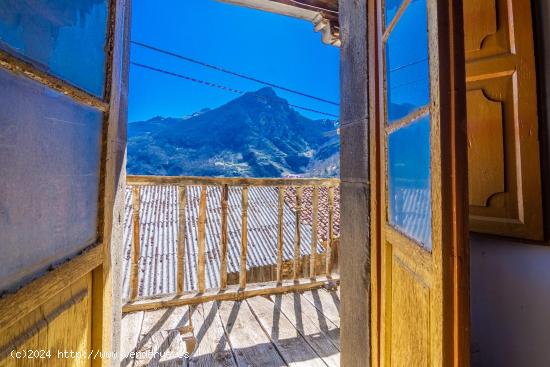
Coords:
420,257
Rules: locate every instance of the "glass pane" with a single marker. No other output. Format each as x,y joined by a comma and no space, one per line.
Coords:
391,8
65,38
407,69
409,181
50,150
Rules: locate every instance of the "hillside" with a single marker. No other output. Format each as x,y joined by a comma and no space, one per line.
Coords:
255,135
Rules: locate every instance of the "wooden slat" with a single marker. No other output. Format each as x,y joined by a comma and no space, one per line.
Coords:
330,239
230,181
202,241
280,238
223,237
315,219
297,234
232,293
182,199
136,243
15,306
244,237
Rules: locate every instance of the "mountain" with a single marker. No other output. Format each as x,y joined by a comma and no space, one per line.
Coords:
255,135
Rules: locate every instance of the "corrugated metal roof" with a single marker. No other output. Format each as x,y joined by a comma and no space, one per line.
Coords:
159,233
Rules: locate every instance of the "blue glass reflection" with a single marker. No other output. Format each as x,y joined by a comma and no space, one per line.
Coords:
65,38
407,68
409,193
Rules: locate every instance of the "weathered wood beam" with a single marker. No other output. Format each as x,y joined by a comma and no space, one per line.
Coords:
297,234
230,181
223,237
280,235
315,220
232,293
201,259
136,243
182,193
244,237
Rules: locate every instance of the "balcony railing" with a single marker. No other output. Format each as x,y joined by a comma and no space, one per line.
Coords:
227,238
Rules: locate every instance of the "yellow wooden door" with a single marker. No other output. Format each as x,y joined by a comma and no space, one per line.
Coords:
420,285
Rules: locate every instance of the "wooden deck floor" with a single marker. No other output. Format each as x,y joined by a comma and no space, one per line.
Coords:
295,329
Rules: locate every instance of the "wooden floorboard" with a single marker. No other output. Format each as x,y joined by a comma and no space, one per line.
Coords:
212,346
298,330
160,342
251,346
290,344
327,302
321,335
130,331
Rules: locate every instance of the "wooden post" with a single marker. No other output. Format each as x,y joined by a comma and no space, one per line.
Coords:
315,219
330,238
280,238
136,248
223,238
181,238
202,241
244,237
297,233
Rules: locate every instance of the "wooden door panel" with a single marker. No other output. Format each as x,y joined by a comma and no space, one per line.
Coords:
486,147
410,324
486,30
61,324
503,156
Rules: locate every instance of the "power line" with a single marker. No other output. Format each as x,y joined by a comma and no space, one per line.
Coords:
223,70
219,86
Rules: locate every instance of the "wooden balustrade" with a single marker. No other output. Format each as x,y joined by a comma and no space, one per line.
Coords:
316,276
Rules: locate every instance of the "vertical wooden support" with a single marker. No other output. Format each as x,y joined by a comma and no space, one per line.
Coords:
330,238
181,238
244,237
136,248
297,233
223,238
202,241
315,219
280,238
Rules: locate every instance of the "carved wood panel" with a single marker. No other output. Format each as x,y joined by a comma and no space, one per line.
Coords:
485,147
503,152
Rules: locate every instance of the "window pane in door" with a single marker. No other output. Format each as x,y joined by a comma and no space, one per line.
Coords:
407,67
409,185
64,38
50,154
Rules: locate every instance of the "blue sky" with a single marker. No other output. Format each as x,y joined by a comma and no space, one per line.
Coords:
271,47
